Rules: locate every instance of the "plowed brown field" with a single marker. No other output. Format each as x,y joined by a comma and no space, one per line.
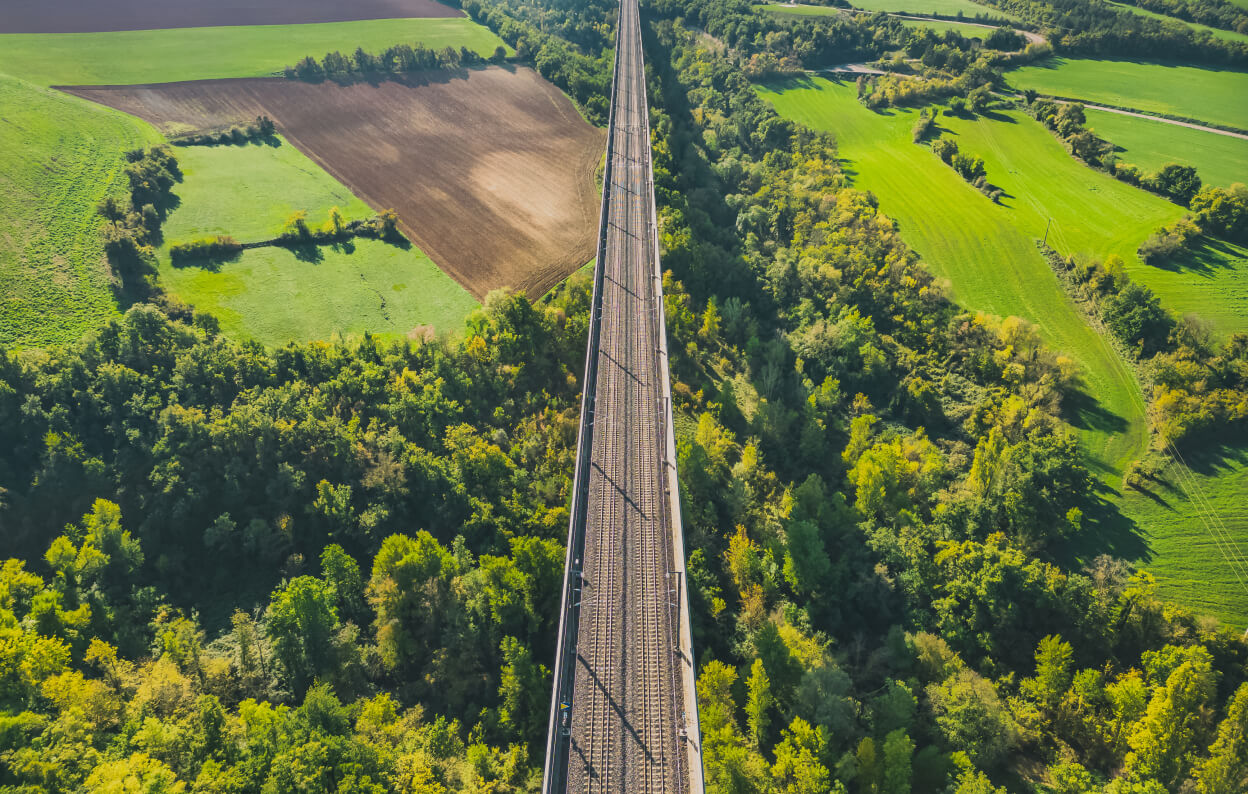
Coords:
492,174
92,16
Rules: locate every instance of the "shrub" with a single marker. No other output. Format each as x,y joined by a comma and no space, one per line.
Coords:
1223,212
219,247
1168,241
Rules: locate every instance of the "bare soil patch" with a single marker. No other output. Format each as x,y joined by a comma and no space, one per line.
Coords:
491,171
98,16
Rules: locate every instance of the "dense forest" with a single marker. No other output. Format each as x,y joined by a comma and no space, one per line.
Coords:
335,567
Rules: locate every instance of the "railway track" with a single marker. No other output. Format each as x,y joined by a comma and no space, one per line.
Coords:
623,710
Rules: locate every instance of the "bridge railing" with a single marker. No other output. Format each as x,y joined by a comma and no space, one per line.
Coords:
554,772
688,722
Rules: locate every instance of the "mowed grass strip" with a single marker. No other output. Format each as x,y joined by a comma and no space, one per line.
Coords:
992,264
163,56
1090,214
59,157
1148,144
1215,95
275,295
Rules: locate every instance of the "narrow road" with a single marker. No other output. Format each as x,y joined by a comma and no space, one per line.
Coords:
1190,125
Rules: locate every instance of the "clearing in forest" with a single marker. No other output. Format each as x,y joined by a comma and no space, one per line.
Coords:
161,56
59,157
1190,92
1219,159
988,253
90,16
491,171
947,8
274,294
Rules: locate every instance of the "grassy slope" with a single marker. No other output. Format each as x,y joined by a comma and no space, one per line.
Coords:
59,157
1228,35
272,295
988,254
1220,159
1094,215
1186,91
165,56
1186,558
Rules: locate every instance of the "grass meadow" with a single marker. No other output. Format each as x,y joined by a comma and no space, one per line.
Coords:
1219,159
970,31
59,157
172,55
1169,89
1218,33
988,254
1091,215
943,7
275,295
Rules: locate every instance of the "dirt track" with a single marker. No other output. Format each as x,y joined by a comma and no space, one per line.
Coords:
490,171
88,16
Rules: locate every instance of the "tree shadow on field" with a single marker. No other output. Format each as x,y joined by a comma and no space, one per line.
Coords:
409,79
1084,412
1104,530
1210,256
994,114
308,252
212,263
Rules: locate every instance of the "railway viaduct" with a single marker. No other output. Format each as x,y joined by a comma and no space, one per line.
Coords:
623,714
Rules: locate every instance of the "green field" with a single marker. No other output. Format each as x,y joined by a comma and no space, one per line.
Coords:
248,191
1228,35
947,8
1185,91
1094,215
166,56
993,265
274,295
1189,556
59,157
1219,159
987,253
970,31
801,11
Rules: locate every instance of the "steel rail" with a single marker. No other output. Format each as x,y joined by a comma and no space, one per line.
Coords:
623,703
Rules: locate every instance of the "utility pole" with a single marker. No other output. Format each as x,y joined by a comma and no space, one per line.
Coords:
1046,231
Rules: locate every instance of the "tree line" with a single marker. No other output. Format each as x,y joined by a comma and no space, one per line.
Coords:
392,60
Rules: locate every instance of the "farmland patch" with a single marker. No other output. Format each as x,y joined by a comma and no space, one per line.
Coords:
987,252
491,171
1215,95
88,16
1219,159
278,294
161,56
